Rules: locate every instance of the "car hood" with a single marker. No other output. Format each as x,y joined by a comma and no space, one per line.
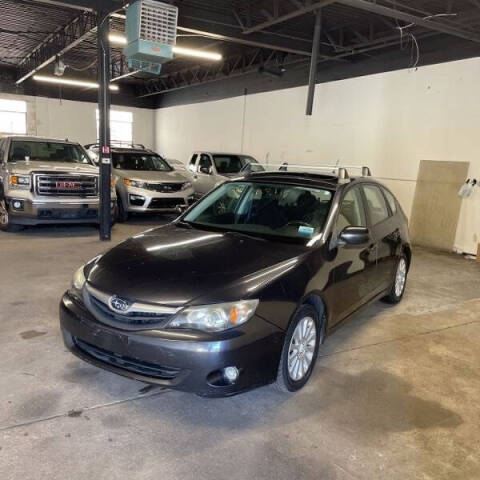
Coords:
174,266
147,176
43,166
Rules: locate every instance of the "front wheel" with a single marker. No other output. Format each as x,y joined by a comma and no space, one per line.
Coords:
122,214
5,224
399,283
300,350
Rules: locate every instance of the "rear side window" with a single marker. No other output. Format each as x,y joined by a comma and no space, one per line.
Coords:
377,205
352,212
193,160
391,201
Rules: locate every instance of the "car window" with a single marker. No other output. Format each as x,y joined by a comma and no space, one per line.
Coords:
270,210
227,163
204,161
352,211
193,160
47,151
391,201
140,162
377,205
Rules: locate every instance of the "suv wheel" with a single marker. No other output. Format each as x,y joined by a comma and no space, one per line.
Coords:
399,282
122,214
300,350
5,224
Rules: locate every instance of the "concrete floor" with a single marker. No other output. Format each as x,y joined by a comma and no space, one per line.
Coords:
394,395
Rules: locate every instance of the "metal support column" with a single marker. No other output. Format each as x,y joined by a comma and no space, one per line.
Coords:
314,60
104,124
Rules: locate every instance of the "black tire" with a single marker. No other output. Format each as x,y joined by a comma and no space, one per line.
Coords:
122,214
395,296
5,224
285,383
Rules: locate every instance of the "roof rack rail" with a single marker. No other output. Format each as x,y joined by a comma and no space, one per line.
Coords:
118,145
338,170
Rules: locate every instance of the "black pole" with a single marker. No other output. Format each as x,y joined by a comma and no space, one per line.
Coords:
314,59
103,29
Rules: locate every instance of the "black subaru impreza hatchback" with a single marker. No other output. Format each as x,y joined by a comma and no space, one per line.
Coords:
242,289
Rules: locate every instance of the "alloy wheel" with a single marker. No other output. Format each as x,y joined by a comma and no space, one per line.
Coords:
3,214
302,348
401,277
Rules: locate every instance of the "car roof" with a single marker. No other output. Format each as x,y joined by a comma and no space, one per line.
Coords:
224,153
27,138
330,182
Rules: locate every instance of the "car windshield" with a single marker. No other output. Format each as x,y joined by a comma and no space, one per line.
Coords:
140,162
48,152
226,164
264,209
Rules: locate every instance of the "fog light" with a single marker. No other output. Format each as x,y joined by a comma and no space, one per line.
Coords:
17,205
231,374
137,200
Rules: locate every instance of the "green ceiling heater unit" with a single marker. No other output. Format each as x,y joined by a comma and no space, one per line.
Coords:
151,29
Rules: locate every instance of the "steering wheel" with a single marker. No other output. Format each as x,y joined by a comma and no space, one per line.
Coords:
220,207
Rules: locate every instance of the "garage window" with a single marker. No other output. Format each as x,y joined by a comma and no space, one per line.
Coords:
121,127
13,116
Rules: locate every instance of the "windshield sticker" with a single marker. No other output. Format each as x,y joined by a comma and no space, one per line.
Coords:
309,231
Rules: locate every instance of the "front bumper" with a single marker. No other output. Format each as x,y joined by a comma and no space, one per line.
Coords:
51,211
140,200
184,361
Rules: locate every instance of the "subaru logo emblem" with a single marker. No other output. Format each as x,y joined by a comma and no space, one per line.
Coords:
118,304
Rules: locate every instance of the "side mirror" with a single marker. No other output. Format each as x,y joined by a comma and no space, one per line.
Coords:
206,170
354,236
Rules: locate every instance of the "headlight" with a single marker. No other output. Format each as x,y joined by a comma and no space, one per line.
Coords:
78,280
133,183
20,181
186,185
215,318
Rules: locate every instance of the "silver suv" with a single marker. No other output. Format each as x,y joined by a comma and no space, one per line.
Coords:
146,183
44,181
210,169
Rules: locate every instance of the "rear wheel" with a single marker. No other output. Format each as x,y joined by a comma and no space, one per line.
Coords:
300,350
399,283
122,214
5,224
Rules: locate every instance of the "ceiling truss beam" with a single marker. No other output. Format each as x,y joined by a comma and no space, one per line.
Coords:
308,8
430,23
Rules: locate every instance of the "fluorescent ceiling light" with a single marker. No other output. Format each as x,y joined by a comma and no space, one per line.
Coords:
120,39
192,52
70,82
117,38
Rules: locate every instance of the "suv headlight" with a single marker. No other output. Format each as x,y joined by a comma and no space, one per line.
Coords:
215,318
20,181
186,185
133,183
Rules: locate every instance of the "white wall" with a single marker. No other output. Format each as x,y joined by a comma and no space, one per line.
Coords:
76,121
389,122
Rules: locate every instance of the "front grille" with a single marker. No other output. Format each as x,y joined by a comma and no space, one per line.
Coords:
131,320
166,203
67,214
127,363
67,185
164,187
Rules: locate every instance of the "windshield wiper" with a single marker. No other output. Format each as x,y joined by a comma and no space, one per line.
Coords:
236,233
